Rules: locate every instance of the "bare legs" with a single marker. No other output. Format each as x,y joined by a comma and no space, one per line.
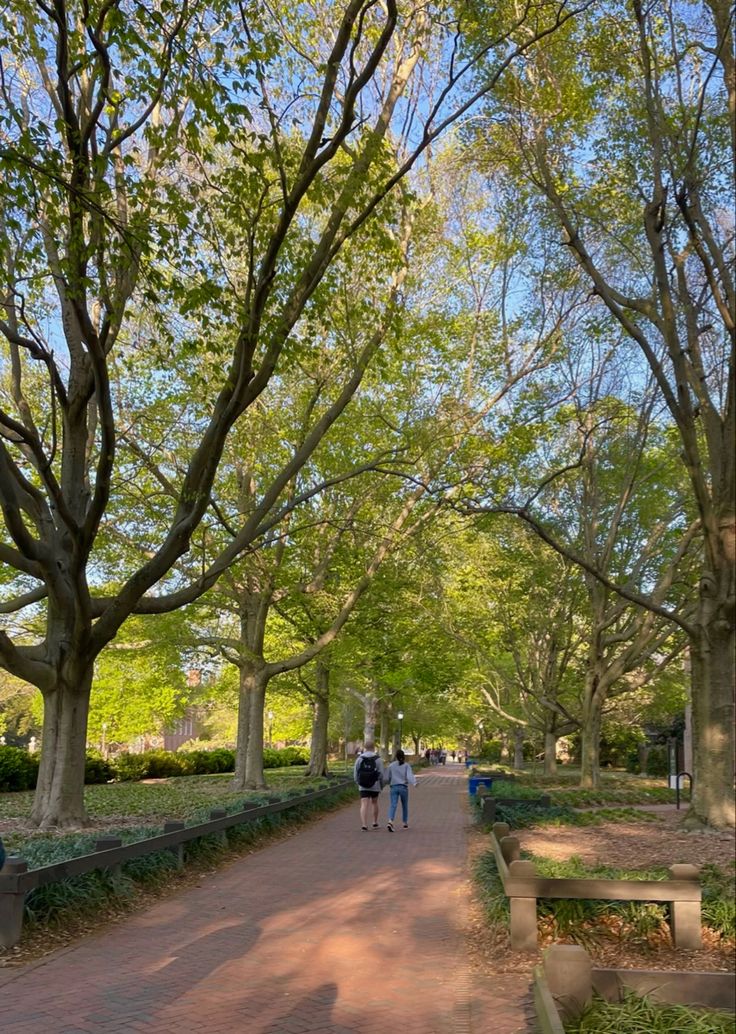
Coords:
369,811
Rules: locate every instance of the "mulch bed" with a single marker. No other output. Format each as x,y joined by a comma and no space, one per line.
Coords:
619,844
627,844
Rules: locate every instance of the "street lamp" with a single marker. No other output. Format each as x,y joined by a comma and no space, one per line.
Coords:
270,728
400,716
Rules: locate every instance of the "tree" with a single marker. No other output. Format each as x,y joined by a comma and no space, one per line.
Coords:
626,128
137,172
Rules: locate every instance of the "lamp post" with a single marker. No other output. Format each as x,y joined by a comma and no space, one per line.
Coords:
270,728
103,744
400,716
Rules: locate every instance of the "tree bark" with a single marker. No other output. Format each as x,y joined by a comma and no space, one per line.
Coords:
550,752
320,719
385,734
713,676
518,749
591,734
249,748
59,797
370,709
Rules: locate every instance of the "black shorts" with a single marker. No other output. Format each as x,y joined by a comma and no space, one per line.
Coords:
369,793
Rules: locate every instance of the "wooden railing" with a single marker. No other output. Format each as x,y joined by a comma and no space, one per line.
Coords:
523,886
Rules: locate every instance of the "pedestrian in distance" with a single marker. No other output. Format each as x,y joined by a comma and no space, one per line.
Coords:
400,777
369,774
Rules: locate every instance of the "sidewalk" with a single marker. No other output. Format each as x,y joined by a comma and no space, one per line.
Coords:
331,931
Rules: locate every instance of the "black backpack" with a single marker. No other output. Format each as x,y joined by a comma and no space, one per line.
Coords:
368,772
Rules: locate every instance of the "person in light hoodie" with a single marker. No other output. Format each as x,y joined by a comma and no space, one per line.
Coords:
400,777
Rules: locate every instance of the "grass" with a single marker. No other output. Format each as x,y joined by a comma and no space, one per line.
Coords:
635,1015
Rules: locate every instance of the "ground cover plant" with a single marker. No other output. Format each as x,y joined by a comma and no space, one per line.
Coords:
635,1015
617,787
522,813
521,816
115,807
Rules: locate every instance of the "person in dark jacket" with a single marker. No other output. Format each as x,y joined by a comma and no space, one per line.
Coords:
369,794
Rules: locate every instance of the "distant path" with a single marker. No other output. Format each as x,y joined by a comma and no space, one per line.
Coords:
331,931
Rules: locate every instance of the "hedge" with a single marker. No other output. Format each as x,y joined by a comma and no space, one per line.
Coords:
19,769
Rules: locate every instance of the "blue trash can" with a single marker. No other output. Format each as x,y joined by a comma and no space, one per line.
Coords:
475,781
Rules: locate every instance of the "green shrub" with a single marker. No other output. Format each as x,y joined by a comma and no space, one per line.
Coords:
163,764
286,757
130,767
294,756
224,758
97,769
492,751
18,769
658,763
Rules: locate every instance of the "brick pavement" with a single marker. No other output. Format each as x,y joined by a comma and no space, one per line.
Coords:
331,931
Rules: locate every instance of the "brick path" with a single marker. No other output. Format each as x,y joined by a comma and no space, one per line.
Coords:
331,931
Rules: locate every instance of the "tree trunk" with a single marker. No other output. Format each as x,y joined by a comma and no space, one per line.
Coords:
59,798
507,750
518,749
385,734
370,707
591,736
550,753
713,721
249,749
318,749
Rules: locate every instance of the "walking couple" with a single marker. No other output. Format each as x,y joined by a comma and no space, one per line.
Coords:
371,776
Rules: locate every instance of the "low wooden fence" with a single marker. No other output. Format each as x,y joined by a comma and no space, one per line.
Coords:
16,880
490,804
565,982
523,886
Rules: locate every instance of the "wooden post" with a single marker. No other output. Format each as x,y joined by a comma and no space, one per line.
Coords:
108,844
685,920
489,810
220,813
501,829
569,972
178,849
12,904
523,910
510,849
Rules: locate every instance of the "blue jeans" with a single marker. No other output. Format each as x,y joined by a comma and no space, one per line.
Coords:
399,792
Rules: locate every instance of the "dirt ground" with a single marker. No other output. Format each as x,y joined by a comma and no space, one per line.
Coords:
631,844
